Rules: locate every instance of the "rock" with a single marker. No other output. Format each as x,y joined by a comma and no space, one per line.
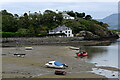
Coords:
97,35
87,35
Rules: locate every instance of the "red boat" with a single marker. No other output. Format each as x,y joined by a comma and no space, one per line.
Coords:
82,54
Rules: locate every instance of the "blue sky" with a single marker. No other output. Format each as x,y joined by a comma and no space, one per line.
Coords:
97,10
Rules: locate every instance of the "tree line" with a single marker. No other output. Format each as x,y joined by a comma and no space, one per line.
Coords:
37,23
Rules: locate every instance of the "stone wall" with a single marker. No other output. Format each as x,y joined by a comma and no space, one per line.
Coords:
37,41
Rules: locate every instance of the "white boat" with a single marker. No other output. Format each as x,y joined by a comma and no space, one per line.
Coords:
74,48
55,64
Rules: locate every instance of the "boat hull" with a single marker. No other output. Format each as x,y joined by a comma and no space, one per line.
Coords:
82,54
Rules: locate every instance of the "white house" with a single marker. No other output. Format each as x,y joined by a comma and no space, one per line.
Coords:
62,29
66,16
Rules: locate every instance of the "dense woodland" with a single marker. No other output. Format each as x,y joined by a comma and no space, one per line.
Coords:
34,24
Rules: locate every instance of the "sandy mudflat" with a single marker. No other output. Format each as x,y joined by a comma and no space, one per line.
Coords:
109,68
75,75
32,65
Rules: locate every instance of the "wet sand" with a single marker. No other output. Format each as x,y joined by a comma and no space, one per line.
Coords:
108,68
76,75
32,65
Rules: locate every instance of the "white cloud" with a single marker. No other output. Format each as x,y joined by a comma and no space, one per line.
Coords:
96,9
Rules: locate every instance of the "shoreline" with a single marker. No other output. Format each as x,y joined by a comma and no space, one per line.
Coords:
12,42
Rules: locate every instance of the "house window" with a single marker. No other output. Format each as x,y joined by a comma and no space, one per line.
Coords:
60,31
69,35
65,31
69,31
51,31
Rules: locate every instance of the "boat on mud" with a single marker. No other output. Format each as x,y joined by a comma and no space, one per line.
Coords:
59,72
74,48
82,54
56,64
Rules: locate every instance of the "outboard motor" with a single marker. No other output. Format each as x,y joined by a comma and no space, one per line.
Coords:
65,65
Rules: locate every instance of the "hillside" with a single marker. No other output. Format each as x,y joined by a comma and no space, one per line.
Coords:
38,25
112,20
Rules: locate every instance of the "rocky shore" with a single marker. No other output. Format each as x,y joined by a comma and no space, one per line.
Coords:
72,41
100,35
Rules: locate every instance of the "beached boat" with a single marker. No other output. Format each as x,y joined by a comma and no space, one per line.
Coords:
74,48
28,48
55,64
59,72
19,55
82,54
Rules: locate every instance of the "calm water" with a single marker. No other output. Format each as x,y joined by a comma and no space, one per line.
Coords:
103,55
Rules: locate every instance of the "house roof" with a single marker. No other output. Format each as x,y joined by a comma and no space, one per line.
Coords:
66,15
61,28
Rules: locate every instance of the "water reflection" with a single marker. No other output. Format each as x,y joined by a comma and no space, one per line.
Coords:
94,51
81,57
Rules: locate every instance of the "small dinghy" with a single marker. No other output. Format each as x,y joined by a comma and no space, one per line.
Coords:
56,64
82,54
74,48
60,72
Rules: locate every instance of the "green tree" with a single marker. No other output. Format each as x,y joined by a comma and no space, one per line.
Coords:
51,19
80,15
71,13
31,30
4,12
23,31
24,21
9,24
88,17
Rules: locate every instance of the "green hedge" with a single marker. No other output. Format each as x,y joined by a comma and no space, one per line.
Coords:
9,34
16,34
56,34
13,34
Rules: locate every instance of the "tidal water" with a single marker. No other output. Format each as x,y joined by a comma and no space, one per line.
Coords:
107,55
103,55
